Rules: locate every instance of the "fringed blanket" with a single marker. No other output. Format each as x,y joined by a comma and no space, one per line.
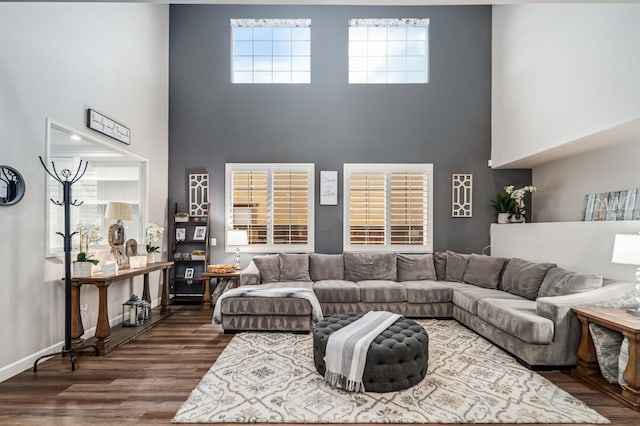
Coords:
346,352
300,293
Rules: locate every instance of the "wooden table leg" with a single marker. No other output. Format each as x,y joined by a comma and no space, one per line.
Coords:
235,282
103,329
587,358
631,391
77,330
164,301
206,295
146,294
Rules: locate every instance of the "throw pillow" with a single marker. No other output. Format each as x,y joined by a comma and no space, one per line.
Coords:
326,267
559,282
294,267
607,343
440,263
484,271
370,266
524,278
413,267
269,267
456,266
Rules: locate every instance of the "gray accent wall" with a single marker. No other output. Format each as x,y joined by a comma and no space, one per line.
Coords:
329,122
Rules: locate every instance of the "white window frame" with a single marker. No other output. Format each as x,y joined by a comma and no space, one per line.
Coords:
270,247
387,246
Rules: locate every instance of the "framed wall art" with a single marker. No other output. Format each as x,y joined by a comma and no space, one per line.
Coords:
610,206
328,188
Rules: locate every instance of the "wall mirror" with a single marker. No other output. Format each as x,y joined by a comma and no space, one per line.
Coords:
11,186
113,174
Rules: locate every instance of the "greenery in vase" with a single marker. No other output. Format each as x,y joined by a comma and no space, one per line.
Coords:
198,253
84,257
153,233
153,249
182,215
504,203
511,200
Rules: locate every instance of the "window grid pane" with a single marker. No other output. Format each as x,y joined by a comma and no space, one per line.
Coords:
271,51
388,51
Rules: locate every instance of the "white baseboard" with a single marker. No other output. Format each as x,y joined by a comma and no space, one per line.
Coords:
26,363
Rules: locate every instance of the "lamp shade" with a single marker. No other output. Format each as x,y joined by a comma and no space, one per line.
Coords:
117,210
626,249
237,238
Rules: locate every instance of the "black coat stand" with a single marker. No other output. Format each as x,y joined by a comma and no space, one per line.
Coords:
67,181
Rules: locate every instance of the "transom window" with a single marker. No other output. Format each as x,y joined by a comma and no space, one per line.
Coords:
273,203
388,207
388,51
271,51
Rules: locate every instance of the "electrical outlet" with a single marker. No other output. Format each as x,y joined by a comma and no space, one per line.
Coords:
213,241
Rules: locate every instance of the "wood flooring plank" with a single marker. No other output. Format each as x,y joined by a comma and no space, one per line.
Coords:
145,381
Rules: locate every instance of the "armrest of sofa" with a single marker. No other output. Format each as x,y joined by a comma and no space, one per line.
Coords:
250,275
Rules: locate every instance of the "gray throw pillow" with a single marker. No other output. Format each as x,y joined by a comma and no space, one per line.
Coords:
524,278
269,267
607,343
440,263
456,266
484,271
326,267
294,267
559,282
370,266
413,267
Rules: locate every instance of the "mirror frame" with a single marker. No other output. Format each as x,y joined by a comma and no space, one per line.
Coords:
20,187
144,180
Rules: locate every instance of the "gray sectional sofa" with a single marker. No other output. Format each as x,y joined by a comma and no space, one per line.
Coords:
521,306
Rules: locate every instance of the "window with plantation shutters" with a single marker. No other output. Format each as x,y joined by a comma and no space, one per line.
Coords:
388,207
273,203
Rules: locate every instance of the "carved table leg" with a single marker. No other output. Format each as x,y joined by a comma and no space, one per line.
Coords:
103,329
587,359
146,294
206,295
631,391
77,330
164,301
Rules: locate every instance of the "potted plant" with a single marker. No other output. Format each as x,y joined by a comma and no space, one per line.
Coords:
182,217
153,233
83,265
198,255
504,206
509,204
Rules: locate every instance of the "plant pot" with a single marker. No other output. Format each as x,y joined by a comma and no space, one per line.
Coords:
82,269
151,257
503,218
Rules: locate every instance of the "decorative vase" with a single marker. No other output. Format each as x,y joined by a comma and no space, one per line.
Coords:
151,257
82,269
503,218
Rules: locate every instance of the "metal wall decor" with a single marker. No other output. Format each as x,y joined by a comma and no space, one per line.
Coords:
461,195
198,194
11,186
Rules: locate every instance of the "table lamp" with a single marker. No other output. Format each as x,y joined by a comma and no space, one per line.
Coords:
237,238
626,251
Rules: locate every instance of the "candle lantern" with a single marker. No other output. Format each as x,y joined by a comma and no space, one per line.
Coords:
132,312
146,306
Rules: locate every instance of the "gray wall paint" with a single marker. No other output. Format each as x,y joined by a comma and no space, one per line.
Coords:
329,123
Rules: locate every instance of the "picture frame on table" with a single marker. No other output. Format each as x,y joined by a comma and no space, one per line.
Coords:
188,273
199,233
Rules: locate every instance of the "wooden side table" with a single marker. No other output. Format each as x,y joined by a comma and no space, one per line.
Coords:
206,292
588,370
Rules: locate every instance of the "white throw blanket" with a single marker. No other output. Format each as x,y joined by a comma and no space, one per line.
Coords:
300,293
346,352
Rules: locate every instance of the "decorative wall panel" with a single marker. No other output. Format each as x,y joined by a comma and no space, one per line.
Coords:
461,195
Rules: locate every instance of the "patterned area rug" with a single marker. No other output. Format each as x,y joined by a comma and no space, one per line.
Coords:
270,378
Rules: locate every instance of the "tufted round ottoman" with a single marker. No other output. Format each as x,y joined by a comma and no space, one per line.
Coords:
397,359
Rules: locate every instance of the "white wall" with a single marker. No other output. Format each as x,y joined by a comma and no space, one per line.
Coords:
561,72
57,60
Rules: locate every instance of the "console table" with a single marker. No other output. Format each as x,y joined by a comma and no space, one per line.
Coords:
587,368
103,329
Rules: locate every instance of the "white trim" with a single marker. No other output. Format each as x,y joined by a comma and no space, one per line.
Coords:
425,248
270,247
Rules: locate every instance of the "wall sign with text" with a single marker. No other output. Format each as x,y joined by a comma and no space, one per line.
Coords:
105,125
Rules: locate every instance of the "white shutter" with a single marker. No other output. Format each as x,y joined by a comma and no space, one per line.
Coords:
367,205
249,197
290,207
408,208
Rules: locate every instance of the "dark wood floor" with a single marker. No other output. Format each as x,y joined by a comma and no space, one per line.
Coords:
147,380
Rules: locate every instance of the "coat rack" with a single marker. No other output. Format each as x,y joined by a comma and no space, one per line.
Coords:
65,178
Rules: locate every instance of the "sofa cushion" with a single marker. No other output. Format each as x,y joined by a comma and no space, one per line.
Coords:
370,266
467,296
607,343
518,318
326,266
440,265
288,284
427,291
381,291
456,266
294,267
412,267
269,267
484,271
524,278
559,282
337,291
